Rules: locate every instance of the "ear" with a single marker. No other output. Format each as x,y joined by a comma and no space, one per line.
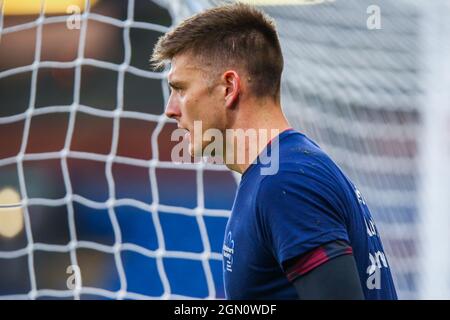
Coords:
232,87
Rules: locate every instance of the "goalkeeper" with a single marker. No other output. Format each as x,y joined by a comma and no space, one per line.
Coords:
303,232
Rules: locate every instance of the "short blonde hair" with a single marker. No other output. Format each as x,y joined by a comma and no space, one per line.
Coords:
229,36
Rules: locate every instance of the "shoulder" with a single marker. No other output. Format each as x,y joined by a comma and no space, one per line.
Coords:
286,184
298,153
310,180
303,169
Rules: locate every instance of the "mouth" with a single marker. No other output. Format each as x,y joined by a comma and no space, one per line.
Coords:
187,134
181,127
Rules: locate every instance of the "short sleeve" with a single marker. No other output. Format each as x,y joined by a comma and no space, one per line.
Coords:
298,212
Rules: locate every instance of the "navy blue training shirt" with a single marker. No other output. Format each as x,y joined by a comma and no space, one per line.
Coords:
307,204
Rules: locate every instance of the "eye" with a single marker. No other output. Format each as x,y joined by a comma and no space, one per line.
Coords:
179,90
175,88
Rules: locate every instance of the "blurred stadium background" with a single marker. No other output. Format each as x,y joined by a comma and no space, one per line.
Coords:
85,171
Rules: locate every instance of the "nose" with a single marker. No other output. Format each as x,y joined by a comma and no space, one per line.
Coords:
172,109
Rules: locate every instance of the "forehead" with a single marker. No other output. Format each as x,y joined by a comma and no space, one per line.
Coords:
184,67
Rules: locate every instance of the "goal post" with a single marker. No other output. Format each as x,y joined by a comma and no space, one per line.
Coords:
434,159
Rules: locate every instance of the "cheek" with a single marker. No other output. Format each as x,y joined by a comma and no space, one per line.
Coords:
216,112
194,109
189,111
205,108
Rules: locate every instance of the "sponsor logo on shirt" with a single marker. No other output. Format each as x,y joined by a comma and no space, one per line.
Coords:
377,262
228,251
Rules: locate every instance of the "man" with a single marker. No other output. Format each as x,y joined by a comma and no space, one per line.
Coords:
303,231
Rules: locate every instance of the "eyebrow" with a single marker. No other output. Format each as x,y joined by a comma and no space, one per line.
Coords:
176,84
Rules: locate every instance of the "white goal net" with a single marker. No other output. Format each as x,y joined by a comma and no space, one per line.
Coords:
91,205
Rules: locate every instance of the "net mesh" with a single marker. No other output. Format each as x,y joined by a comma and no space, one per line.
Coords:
359,92
356,92
71,199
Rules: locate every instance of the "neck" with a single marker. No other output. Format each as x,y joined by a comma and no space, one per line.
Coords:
264,118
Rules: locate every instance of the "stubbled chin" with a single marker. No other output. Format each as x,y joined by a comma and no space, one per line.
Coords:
187,137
